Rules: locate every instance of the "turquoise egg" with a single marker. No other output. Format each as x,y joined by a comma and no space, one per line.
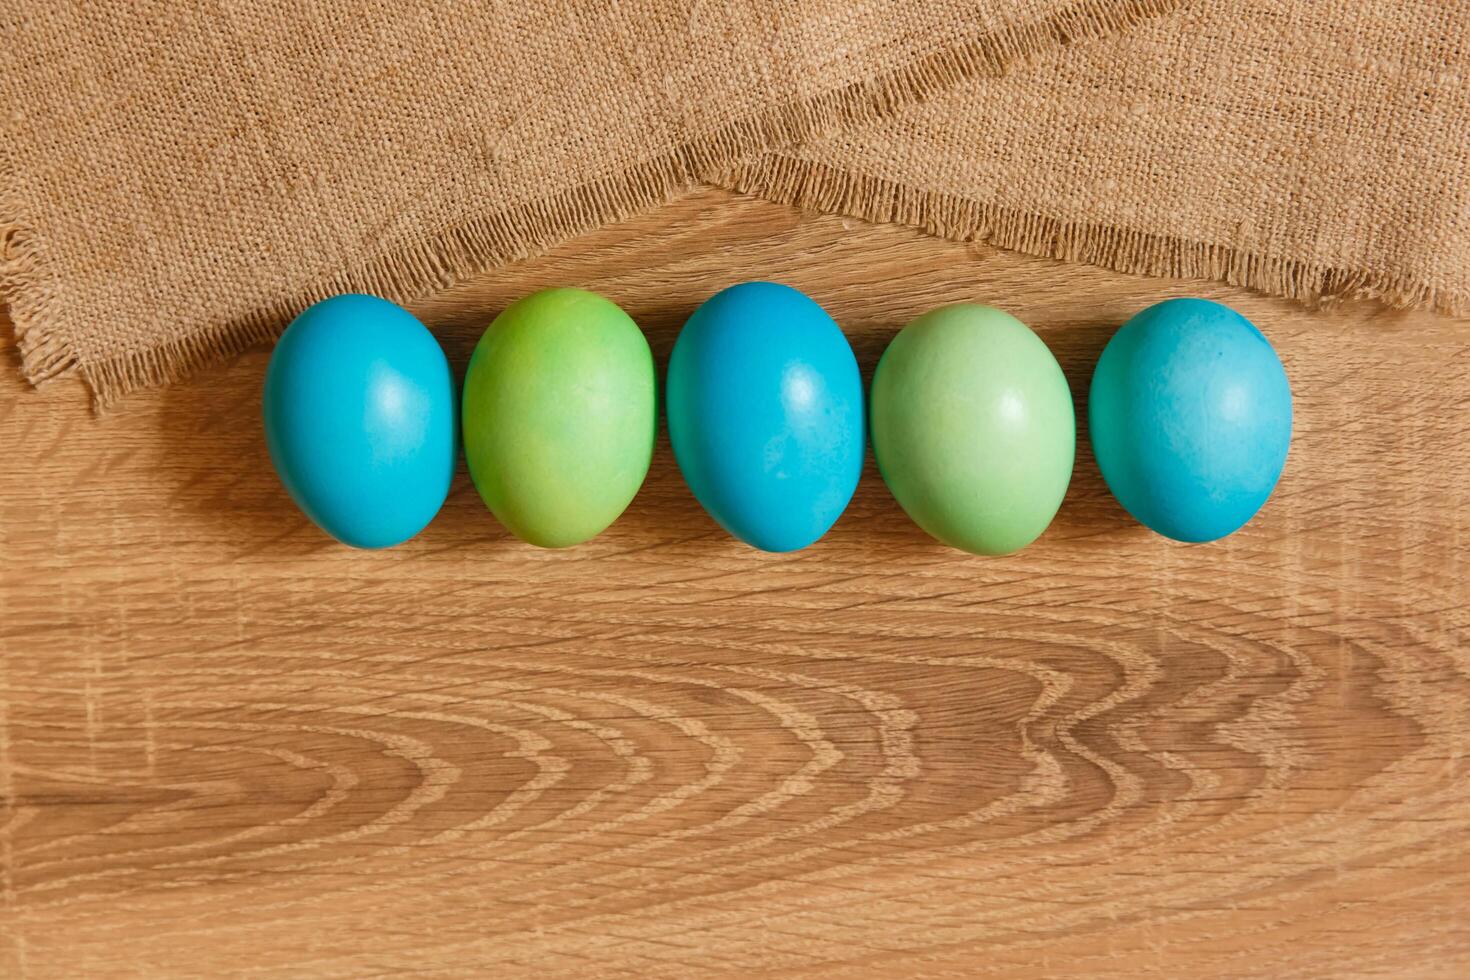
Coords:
1190,418
359,413
765,407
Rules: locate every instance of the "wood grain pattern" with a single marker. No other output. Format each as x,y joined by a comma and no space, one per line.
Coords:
229,747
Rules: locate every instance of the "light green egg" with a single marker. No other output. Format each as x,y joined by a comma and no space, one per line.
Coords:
973,428
559,414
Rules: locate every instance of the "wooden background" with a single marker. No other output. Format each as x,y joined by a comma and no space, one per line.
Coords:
230,747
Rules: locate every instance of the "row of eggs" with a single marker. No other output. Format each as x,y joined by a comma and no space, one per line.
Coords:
971,419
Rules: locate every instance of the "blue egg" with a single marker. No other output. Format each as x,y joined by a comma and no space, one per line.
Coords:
765,407
359,413
1190,418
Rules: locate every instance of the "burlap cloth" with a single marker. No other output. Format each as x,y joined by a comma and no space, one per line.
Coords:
178,180
1310,149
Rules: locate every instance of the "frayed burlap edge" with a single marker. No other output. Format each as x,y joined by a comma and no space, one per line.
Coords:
29,293
819,187
443,258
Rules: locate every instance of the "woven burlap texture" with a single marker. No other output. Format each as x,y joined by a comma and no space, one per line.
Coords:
1308,148
178,180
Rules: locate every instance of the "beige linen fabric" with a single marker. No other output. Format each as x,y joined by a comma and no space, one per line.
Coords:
177,180
1309,148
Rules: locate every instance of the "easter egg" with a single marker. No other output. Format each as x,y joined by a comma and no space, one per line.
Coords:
973,428
765,408
1190,416
359,415
559,414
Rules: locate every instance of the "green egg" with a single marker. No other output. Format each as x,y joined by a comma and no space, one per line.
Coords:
559,414
973,428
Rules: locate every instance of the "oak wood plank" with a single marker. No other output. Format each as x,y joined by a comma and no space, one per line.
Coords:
229,747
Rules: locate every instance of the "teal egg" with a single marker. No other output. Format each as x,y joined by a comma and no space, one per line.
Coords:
765,407
1190,416
360,420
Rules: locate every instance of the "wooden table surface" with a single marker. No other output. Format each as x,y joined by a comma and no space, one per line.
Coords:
231,747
